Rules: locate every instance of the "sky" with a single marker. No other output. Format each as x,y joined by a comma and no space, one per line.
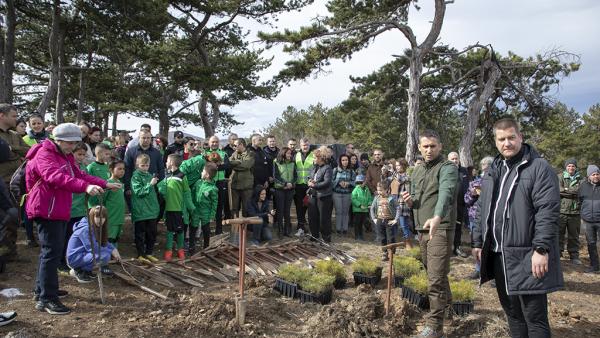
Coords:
523,27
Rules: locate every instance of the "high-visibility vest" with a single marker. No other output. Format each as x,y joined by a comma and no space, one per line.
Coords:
304,168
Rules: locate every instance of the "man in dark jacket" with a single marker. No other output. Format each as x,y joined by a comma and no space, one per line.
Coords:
375,171
262,170
569,221
8,211
589,196
271,152
176,147
461,209
515,235
433,200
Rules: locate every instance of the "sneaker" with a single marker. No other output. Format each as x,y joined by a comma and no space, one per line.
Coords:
299,233
53,307
106,271
152,259
60,294
168,255
429,333
576,261
181,254
460,253
592,269
474,275
493,283
385,257
82,276
144,260
7,317
63,270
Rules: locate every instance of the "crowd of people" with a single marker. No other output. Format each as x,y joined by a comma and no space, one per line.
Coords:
76,188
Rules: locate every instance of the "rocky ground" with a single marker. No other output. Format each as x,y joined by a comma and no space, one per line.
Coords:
210,311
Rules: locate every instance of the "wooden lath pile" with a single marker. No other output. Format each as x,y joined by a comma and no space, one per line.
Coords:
220,265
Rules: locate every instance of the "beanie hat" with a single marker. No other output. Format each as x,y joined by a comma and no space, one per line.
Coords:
364,156
571,161
360,178
67,132
4,151
592,169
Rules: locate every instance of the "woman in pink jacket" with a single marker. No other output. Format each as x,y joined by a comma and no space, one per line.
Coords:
52,176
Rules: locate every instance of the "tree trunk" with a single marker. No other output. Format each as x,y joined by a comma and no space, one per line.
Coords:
60,95
114,131
53,46
474,110
206,121
105,117
412,125
163,122
7,49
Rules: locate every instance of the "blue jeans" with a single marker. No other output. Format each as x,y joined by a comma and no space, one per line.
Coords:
261,232
404,222
52,240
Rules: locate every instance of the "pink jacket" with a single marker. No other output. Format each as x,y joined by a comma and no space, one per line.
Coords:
51,177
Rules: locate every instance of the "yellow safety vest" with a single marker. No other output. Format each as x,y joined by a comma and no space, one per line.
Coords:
304,168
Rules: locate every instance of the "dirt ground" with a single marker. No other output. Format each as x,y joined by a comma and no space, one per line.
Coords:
210,311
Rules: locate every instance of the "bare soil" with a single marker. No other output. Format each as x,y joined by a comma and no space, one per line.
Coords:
210,311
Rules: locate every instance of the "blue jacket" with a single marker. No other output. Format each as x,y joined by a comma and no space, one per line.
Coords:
79,250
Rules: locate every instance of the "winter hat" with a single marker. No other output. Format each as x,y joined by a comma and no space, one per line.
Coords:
360,178
4,151
67,132
364,156
592,169
571,161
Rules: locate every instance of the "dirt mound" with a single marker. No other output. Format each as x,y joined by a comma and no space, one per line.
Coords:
361,314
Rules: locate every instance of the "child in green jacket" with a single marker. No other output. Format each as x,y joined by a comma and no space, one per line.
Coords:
177,194
144,208
114,201
206,197
99,168
361,200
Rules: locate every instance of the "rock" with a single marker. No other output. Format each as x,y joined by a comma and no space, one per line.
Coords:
564,312
155,313
132,319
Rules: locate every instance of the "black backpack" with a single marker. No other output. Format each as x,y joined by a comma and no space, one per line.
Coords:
17,185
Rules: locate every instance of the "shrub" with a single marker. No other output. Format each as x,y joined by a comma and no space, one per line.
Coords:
415,253
331,267
366,266
462,291
407,266
318,283
293,273
417,282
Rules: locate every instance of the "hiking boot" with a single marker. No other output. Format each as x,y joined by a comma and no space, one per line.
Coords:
60,294
168,255
592,269
106,271
7,317
428,332
152,259
460,253
81,276
181,255
53,307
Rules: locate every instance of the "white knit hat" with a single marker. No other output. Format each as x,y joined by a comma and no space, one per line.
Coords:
67,132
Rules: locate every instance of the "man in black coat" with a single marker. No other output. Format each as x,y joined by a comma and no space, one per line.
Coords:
176,147
515,235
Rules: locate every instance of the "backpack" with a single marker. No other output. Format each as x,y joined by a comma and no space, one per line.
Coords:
17,185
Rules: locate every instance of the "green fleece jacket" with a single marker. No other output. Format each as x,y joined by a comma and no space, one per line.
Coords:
99,170
361,199
206,197
78,208
114,201
176,190
144,202
192,169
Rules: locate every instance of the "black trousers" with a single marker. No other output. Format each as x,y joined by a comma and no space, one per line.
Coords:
300,192
319,217
359,219
283,201
68,233
527,314
222,207
461,218
52,240
145,236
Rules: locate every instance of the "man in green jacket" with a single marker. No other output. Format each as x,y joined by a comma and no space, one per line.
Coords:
433,200
242,177
569,222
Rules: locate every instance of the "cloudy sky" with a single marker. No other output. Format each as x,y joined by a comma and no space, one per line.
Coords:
523,27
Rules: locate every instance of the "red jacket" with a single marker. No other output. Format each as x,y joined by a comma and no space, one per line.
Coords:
51,178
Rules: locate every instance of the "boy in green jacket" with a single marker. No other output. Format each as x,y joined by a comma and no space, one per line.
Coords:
361,200
99,168
206,197
144,208
177,194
